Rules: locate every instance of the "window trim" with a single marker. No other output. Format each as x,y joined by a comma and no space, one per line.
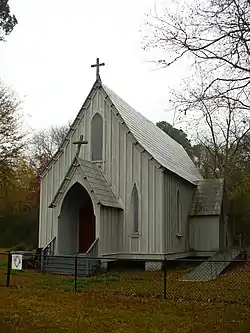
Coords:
179,215
97,113
135,233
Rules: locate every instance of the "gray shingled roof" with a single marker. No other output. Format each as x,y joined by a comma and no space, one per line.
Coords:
208,197
96,182
166,151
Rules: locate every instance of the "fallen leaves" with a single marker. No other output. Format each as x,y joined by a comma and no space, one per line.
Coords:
48,303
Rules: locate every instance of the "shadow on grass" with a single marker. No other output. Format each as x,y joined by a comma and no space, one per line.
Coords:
83,283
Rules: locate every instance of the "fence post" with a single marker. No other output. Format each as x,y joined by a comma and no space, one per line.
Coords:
76,273
8,270
165,276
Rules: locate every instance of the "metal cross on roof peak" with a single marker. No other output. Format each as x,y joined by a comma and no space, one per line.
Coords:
98,65
79,144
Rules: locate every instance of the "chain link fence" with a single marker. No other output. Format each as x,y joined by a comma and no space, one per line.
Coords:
180,280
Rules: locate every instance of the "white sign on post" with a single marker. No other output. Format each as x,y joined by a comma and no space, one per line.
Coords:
17,262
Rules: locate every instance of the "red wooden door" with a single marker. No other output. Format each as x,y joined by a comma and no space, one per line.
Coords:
86,228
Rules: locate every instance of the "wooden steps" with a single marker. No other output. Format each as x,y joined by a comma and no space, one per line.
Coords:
66,265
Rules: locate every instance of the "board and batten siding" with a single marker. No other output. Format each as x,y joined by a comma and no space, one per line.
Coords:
204,233
124,164
56,172
110,235
176,235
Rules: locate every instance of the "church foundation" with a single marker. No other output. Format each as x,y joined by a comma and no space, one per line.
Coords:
153,265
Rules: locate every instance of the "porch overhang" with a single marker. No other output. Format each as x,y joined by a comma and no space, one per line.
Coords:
95,181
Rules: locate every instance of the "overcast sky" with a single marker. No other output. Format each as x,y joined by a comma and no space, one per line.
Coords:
47,57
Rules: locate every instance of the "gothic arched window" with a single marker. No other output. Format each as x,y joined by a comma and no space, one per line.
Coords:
135,209
178,208
96,137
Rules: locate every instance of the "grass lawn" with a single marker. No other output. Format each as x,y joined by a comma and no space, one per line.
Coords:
46,303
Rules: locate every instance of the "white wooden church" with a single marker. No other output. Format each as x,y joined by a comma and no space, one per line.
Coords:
120,187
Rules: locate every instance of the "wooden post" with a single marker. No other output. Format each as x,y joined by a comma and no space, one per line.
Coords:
8,270
76,273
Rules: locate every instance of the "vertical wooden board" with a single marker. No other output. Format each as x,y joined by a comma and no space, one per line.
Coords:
121,176
102,236
118,155
116,234
87,126
154,210
129,186
101,248
114,152
75,138
43,210
59,169
158,210
108,139
129,166
169,225
174,188
45,207
41,220
125,195
100,104
110,223
112,233
48,199
107,230
102,112
94,105
77,131
151,208
65,161
84,150
120,230
144,203
166,213
136,164
115,231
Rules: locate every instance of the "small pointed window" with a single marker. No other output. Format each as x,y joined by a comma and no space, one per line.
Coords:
96,137
135,209
178,207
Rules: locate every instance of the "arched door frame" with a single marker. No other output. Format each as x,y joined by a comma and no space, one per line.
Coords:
97,209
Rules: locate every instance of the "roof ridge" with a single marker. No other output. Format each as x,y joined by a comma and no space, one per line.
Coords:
164,149
148,120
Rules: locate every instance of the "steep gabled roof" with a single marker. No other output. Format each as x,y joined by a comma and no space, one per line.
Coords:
96,183
208,197
166,151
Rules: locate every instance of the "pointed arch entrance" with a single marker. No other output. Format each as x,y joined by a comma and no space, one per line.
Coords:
76,225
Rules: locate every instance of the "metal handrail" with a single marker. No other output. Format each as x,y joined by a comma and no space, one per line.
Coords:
92,246
49,244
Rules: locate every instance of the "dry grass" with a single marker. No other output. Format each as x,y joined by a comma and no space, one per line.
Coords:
46,303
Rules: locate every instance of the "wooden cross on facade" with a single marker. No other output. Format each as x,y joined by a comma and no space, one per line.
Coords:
79,144
98,65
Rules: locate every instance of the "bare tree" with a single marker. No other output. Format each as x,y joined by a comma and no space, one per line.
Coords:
223,132
214,35
12,134
45,143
